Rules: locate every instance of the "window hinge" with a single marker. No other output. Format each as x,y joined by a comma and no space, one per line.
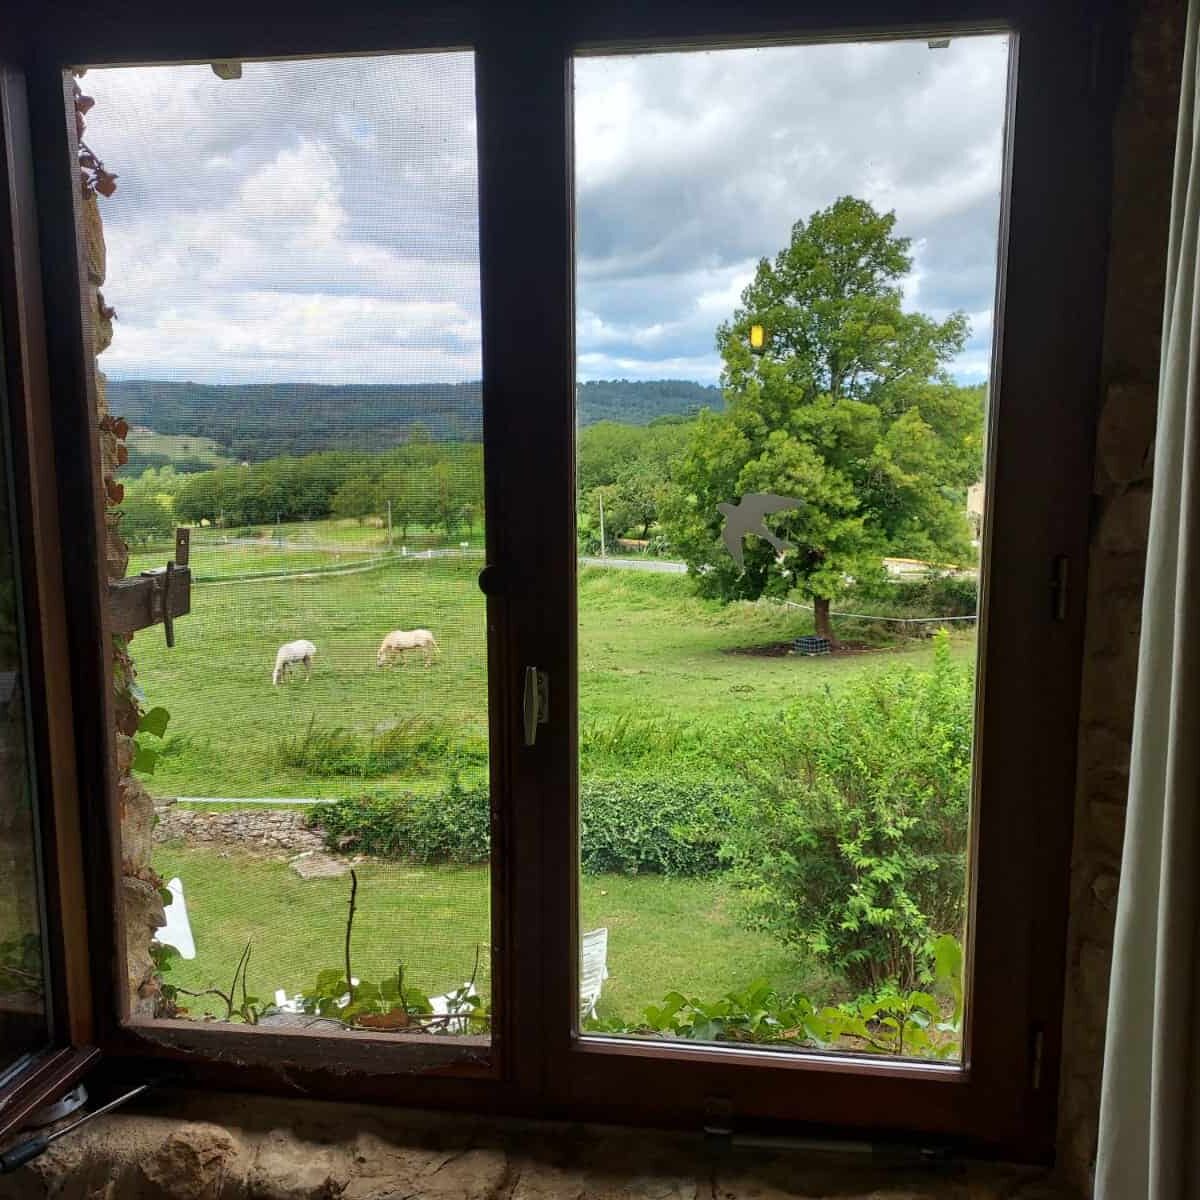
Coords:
154,597
718,1120
1059,578
1037,1043
535,706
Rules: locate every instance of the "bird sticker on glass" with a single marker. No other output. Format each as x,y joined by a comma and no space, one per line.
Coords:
749,515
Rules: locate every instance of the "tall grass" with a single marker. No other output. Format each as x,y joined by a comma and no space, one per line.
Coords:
403,747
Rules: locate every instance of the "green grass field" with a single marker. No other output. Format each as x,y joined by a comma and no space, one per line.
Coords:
656,663
432,918
650,651
177,447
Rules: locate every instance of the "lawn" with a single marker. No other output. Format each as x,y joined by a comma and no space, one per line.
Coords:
177,447
432,918
651,652
659,668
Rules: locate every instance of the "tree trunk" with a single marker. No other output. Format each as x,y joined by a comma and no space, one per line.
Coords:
821,619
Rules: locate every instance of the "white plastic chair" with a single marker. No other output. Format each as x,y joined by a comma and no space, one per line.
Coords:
177,932
593,971
449,1005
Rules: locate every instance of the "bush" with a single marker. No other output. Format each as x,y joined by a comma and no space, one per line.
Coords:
668,827
854,847
933,596
665,826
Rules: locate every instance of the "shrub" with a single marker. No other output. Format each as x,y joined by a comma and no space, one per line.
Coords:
934,596
668,827
854,846
449,826
406,746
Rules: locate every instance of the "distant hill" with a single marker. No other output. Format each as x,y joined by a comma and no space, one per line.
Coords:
263,420
634,402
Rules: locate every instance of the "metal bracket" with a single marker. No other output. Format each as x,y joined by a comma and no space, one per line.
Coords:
154,597
1059,579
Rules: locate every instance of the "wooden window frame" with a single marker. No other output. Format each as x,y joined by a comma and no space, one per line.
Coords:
69,1051
1003,1099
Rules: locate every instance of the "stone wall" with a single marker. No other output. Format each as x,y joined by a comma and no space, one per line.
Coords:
272,831
1143,153
140,887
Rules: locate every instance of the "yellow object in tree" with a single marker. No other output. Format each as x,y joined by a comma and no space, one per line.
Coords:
756,337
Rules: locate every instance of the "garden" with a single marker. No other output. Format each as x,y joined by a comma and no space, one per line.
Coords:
752,869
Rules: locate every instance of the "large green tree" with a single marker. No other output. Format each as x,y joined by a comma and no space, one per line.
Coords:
847,407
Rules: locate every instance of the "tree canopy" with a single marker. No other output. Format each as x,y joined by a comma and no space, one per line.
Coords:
848,408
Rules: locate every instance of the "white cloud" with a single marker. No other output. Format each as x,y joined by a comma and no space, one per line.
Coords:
318,220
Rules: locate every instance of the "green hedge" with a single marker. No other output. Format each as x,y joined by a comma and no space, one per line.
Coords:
937,595
660,826
449,826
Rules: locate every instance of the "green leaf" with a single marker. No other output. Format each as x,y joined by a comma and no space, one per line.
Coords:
154,722
330,982
947,959
144,759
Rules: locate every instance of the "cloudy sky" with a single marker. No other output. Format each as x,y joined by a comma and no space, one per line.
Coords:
317,220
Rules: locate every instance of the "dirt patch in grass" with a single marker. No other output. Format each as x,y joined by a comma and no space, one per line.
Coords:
783,649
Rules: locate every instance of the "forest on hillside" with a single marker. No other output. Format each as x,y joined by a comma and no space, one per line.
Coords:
255,422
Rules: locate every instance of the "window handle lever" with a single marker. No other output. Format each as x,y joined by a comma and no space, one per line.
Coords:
535,704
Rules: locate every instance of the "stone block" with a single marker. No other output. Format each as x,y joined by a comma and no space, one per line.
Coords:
1125,436
137,824
193,1163
287,1168
1125,521
95,255
315,864
143,913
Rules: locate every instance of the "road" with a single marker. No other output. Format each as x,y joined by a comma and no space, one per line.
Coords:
662,565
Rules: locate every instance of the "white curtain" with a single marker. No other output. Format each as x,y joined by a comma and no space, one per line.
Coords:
1150,1103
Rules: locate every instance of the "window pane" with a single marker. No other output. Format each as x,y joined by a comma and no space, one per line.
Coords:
786,273
292,257
23,1016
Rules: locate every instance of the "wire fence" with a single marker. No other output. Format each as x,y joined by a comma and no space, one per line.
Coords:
892,620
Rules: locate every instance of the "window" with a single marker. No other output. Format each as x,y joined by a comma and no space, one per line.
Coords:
494,743
788,787
303,394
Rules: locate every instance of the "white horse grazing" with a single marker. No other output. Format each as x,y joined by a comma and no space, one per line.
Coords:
291,653
400,641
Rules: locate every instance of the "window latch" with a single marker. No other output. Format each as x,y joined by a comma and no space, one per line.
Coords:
535,705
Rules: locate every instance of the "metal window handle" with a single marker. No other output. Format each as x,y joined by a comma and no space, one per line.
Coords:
535,704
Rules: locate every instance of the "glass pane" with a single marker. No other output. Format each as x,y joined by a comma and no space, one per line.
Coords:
292,257
786,274
24,1027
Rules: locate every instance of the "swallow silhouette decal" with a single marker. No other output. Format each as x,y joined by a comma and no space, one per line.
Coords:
748,516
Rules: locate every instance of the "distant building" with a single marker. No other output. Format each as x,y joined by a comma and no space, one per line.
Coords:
975,509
